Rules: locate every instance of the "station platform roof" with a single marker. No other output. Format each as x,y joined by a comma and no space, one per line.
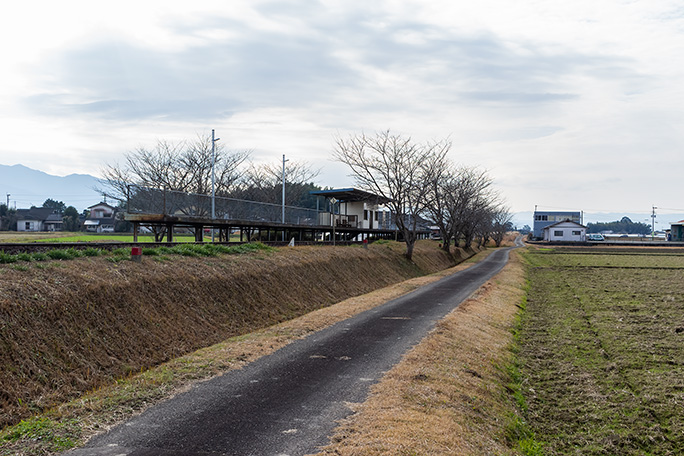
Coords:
350,195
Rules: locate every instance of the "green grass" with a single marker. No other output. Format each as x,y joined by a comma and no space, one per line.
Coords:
112,238
601,350
124,253
54,435
517,431
116,237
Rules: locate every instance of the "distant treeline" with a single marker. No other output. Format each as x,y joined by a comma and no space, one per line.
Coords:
625,225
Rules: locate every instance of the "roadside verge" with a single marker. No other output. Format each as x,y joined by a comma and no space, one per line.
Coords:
449,395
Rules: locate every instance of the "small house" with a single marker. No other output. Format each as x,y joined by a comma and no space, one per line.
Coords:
38,219
565,231
101,218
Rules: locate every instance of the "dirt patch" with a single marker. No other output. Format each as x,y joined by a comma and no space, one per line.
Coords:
70,327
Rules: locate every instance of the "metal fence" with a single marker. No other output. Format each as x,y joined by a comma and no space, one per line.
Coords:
146,200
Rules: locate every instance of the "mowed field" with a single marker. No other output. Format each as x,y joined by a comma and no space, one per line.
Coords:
601,351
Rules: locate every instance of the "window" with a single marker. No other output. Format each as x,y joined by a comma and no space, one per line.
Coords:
28,226
376,216
558,233
541,218
576,233
365,214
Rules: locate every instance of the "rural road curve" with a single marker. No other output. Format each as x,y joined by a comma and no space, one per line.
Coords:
287,403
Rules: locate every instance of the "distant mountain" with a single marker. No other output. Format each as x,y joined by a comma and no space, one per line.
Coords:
29,187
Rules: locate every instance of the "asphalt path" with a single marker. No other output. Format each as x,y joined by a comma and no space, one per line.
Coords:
287,403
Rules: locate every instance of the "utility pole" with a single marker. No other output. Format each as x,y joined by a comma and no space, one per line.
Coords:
8,195
333,200
213,181
653,217
283,215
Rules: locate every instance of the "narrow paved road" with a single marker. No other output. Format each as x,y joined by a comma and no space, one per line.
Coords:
287,403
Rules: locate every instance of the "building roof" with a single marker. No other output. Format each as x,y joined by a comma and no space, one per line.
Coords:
35,213
558,212
681,222
54,218
348,195
102,204
564,221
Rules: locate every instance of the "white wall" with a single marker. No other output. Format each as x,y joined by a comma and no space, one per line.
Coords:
356,208
565,232
34,225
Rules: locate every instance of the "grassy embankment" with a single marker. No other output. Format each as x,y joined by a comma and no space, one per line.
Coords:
91,325
602,351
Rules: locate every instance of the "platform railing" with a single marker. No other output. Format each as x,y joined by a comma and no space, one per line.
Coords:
146,200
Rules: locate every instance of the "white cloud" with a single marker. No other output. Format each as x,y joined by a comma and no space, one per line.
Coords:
574,102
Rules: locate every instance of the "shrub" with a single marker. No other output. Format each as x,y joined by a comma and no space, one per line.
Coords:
40,256
7,258
25,257
64,254
92,252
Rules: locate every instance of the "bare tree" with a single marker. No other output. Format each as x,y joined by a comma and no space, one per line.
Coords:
264,182
184,167
501,224
397,169
460,202
474,195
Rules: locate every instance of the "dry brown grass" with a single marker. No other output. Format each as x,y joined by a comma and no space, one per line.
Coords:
68,327
63,324
447,395
62,426
16,236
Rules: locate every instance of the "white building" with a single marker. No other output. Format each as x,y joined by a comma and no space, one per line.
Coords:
355,208
565,231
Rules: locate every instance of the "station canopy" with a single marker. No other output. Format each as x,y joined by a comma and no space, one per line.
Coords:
350,195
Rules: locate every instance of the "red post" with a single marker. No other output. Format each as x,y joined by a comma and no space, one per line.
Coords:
136,254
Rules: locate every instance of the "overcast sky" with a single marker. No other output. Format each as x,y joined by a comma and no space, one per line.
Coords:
568,104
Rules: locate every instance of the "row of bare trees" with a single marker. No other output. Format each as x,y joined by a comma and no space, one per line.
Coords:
418,179
187,167
423,184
